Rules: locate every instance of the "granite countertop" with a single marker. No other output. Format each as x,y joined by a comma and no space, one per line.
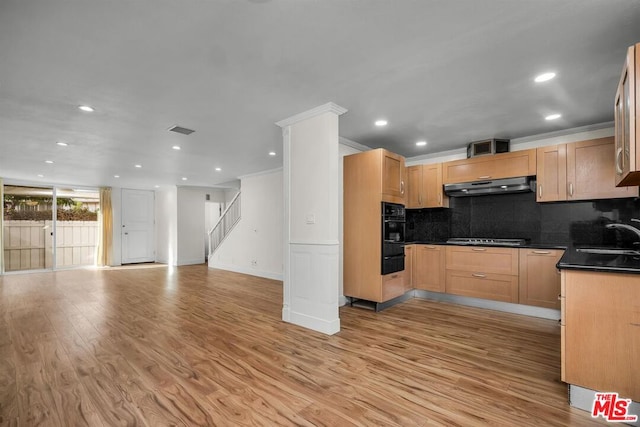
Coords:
573,259
526,246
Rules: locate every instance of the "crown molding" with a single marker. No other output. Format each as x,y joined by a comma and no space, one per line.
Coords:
329,107
563,132
356,145
265,172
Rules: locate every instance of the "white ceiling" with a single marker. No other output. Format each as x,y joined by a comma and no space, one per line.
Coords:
448,71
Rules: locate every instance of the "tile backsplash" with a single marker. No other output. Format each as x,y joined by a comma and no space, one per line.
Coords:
520,216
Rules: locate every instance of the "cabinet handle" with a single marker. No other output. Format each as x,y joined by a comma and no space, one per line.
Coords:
542,252
540,191
484,177
570,189
480,275
430,247
478,249
420,200
401,187
440,199
619,157
394,276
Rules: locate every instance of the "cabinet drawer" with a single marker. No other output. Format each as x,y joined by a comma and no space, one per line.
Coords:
482,259
498,287
392,285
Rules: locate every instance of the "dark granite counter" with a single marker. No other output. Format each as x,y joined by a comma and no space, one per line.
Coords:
525,246
574,259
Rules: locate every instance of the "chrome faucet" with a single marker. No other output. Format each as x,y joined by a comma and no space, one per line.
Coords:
630,228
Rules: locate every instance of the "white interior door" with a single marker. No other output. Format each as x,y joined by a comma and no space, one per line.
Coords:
138,239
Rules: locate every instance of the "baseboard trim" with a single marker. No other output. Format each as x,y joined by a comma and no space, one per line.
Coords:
250,271
192,261
319,325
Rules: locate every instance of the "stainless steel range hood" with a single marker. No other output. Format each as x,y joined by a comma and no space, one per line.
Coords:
496,186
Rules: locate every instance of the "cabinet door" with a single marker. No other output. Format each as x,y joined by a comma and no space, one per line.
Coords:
625,122
414,187
408,267
539,278
551,173
393,171
433,192
429,268
602,332
504,165
591,171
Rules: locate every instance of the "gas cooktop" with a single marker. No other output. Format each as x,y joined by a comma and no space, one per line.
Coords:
486,242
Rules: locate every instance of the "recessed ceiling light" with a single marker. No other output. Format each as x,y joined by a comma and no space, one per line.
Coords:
553,117
184,178
218,169
116,176
544,77
49,162
421,143
156,186
138,166
503,187
176,147
40,175
381,122
61,144
86,108
272,153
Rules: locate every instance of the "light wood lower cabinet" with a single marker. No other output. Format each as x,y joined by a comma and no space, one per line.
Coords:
409,255
392,285
539,277
482,272
600,331
429,268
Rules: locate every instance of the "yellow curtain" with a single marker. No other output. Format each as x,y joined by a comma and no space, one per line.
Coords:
105,243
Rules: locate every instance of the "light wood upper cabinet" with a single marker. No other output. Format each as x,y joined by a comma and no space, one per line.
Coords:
581,170
552,173
393,175
429,268
627,121
504,165
539,278
601,336
424,187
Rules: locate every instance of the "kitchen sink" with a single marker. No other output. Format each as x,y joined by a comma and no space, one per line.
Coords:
609,251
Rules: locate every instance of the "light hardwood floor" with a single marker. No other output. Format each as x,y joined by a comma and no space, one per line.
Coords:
191,346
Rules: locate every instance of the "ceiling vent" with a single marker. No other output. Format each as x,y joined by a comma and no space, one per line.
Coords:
180,129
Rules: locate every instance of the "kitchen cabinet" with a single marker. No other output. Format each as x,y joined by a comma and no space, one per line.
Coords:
393,176
627,126
409,256
581,170
600,331
482,272
370,178
504,165
424,187
539,279
429,268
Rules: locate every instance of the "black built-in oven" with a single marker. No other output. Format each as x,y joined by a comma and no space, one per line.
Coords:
393,223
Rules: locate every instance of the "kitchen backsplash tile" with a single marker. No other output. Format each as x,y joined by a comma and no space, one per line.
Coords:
520,216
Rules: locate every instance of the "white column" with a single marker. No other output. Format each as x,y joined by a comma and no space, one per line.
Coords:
311,240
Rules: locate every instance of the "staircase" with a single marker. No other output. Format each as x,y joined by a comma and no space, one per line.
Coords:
225,224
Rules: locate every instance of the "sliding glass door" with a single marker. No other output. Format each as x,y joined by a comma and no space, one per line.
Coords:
45,227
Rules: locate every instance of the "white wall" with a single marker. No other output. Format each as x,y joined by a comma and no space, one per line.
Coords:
167,225
258,236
